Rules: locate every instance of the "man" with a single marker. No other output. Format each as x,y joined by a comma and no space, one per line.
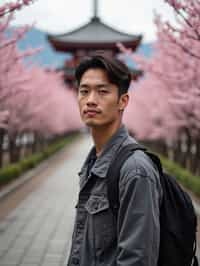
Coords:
99,237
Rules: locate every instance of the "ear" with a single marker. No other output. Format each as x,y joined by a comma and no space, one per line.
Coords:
123,101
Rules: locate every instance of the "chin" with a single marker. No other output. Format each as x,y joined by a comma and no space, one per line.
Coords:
91,124
94,124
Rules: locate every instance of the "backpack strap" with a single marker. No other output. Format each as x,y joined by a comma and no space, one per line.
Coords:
114,173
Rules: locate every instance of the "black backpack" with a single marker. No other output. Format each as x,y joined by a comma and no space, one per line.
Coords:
178,221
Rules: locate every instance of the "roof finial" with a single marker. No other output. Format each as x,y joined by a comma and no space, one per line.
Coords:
95,8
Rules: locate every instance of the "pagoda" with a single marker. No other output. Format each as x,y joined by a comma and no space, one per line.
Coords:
94,35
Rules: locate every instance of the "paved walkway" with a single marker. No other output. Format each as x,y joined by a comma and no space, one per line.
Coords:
37,232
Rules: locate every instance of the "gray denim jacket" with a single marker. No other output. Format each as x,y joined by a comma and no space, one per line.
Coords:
99,239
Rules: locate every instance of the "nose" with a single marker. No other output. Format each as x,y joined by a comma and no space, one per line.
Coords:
92,99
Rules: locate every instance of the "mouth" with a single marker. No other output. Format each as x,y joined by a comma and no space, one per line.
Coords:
91,113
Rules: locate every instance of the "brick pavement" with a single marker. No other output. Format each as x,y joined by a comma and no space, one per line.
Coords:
38,231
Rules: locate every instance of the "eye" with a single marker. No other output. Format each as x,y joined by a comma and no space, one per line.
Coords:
83,91
103,91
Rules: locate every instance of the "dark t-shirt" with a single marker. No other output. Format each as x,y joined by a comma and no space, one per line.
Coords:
91,161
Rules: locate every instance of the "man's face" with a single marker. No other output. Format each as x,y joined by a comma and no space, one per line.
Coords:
98,99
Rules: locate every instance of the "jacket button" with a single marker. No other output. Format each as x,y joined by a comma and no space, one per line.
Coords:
75,261
96,205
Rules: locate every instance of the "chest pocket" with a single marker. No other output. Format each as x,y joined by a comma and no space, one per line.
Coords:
101,219
96,204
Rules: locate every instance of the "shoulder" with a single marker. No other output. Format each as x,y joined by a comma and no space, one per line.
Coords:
138,165
141,172
139,169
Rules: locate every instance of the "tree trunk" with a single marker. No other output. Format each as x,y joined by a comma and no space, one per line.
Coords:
177,151
188,150
2,132
34,144
197,158
14,150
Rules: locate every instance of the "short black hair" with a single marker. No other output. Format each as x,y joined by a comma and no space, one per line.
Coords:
117,72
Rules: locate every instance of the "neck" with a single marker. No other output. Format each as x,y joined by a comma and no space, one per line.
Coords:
101,135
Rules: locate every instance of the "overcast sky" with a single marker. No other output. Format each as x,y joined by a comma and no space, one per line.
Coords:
59,16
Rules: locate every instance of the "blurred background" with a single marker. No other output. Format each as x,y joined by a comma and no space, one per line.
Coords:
42,42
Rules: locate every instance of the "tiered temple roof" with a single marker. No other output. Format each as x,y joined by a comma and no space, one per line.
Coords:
94,35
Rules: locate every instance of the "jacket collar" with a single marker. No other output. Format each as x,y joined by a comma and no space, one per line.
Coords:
101,166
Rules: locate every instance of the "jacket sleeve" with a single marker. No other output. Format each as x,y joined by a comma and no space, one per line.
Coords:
138,221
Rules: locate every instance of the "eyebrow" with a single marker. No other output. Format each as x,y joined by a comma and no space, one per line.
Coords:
85,85
102,85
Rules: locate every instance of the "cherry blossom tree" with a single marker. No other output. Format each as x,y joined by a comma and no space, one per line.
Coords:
7,48
13,6
46,108
32,99
166,101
